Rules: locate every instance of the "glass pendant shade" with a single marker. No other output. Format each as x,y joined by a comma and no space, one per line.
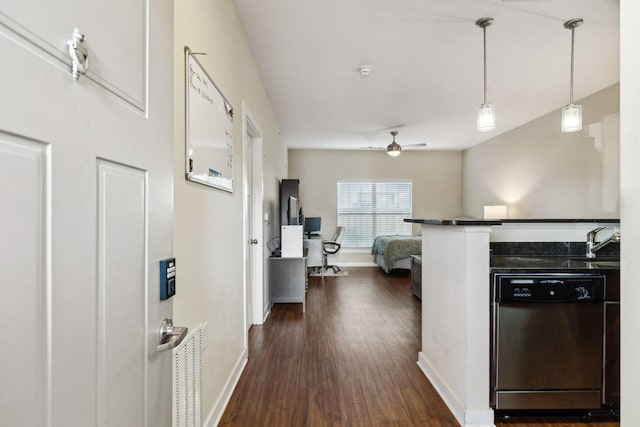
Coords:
571,118
486,118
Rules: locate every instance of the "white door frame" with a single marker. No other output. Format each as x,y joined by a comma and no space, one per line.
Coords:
253,275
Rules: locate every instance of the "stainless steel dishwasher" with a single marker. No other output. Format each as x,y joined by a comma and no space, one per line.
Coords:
546,341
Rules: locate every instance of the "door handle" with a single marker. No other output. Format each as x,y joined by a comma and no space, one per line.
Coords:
171,336
253,241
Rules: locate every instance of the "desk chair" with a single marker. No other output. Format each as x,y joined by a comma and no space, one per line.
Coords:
332,247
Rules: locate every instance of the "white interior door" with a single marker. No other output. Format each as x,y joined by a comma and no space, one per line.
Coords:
87,212
253,240
257,264
253,177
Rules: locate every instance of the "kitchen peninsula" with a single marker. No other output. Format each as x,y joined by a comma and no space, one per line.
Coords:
456,267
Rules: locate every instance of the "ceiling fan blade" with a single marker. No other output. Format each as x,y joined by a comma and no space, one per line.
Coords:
388,128
421,144
365,132
372,148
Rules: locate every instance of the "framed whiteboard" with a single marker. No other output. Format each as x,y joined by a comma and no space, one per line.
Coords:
208,128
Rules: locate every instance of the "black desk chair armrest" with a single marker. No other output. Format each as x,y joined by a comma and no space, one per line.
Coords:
331,247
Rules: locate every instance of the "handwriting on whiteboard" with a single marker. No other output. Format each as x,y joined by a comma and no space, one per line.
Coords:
199,84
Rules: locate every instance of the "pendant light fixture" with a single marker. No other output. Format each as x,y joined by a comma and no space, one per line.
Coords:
394,148
487,113
572,113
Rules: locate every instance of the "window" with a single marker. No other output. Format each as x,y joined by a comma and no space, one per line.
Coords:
369,209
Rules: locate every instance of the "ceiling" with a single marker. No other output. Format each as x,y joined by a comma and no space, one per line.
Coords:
426,62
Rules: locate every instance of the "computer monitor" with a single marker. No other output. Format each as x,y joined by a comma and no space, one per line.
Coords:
292,211
312,225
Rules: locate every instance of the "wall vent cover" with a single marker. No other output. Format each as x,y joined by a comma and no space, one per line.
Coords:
187,381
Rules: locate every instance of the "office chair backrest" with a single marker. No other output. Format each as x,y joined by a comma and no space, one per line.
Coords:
339,235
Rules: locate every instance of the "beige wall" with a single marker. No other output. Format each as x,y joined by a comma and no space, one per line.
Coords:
436,176
209,222
540,172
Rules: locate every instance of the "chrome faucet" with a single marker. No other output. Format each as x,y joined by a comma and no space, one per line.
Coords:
593,247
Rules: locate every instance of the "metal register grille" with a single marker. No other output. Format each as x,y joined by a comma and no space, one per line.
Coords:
187,382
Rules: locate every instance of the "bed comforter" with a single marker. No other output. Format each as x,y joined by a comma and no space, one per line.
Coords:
394,248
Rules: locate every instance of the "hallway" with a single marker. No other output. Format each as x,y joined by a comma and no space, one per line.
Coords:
350,360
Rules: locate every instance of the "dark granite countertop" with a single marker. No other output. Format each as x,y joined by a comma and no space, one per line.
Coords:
541,257
561,220
551,264
480,221
461,221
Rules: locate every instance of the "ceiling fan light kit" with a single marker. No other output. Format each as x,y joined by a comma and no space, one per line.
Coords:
572,113
487,112
394,148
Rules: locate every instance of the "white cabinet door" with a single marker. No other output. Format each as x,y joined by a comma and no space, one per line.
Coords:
86,212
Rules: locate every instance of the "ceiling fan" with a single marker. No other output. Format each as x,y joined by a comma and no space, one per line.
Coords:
394,149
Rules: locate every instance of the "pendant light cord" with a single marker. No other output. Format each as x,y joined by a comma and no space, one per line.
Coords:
573,29
571,25
484,38
484,23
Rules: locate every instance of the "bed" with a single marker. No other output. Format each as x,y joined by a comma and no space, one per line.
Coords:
392,252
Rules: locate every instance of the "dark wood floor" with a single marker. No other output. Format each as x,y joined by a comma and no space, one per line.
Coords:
350,360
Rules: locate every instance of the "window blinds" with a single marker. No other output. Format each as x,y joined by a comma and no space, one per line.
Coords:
369,209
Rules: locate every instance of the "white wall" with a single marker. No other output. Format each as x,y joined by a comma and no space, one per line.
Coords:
208,223
630,210
540,172
455,318
436,176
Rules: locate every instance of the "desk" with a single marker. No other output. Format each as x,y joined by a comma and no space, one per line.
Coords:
288,279
314,254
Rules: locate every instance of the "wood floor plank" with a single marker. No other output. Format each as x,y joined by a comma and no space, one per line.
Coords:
349,361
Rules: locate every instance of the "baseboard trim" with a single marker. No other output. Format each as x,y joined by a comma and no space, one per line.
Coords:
213,419
479,418
357,264
266,313
441,387
466,418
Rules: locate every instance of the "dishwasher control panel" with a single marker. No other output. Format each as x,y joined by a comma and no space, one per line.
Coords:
548,288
